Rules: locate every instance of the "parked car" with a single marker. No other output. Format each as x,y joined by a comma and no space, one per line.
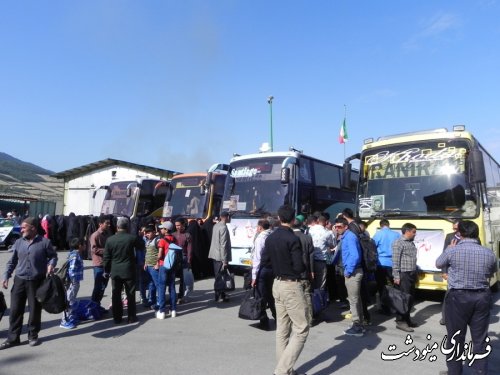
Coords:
10,231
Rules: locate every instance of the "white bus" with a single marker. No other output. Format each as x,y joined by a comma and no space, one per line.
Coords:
258,184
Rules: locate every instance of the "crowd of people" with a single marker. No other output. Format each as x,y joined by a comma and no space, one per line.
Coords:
295,258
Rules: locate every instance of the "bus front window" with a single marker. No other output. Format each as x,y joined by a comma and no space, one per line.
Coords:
254,187
427,179
186,199
116,201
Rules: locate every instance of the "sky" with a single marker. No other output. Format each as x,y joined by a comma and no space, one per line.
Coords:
182,85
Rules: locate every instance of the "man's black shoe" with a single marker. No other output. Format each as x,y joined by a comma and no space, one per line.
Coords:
9,344
132,320
33,341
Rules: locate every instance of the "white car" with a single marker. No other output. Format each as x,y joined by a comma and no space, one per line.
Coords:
10,231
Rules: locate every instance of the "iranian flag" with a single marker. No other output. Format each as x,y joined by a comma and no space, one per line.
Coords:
343,133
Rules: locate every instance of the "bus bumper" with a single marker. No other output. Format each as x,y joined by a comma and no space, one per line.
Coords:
431,281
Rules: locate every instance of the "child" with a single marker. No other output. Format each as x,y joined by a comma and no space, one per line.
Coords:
74,276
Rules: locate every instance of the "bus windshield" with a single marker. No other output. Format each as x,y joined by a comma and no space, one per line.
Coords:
186,199
254,187
116,201
423,179
132,198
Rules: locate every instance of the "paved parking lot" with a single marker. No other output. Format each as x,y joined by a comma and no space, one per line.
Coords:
209,338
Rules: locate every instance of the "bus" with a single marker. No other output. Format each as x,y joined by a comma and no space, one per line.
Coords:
258,184
134,199
196,195
430,178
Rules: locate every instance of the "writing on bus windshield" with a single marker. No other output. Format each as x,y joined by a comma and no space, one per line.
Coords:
415,162
425,179
254,187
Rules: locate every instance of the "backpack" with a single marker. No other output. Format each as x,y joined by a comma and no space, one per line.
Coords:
88,310
52,295
369,251
370,254
173,258
63,272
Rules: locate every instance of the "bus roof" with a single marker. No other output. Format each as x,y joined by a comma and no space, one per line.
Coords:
283,154
187,175
416,136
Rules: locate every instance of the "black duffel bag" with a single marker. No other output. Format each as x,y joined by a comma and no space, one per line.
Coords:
224,282
400,301
3,305
52,295
252,307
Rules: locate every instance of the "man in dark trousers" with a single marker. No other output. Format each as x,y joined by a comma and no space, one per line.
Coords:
220,250
404,271
307,246
119,264
97,243
33,257
283,250
467,303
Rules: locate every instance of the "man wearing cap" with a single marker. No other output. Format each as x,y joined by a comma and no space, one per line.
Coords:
33,258
166,277
220,250
299,223
120,264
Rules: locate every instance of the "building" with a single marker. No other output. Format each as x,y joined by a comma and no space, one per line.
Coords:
83,193
43,195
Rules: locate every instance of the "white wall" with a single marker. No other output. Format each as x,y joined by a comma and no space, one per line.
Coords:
78,191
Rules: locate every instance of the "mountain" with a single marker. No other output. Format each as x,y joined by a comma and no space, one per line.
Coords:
21,170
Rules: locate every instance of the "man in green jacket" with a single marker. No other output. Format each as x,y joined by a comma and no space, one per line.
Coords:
119,264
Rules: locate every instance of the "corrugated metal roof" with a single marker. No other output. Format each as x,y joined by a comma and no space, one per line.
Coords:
49,189
84,169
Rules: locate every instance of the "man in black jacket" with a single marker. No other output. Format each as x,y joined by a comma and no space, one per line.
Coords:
284,251
120,264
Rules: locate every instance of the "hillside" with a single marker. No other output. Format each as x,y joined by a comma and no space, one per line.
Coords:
21,170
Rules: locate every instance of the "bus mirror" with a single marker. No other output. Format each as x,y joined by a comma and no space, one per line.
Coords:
285,175
346,175
477,166
105,187
168,195
129,192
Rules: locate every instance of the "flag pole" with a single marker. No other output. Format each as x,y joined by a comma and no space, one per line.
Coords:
345,116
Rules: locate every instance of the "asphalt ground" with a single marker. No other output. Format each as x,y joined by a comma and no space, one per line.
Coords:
208,338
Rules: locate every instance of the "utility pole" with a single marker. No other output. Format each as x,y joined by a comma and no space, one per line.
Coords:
270,101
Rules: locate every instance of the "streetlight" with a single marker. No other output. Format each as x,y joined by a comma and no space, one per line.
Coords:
270,101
